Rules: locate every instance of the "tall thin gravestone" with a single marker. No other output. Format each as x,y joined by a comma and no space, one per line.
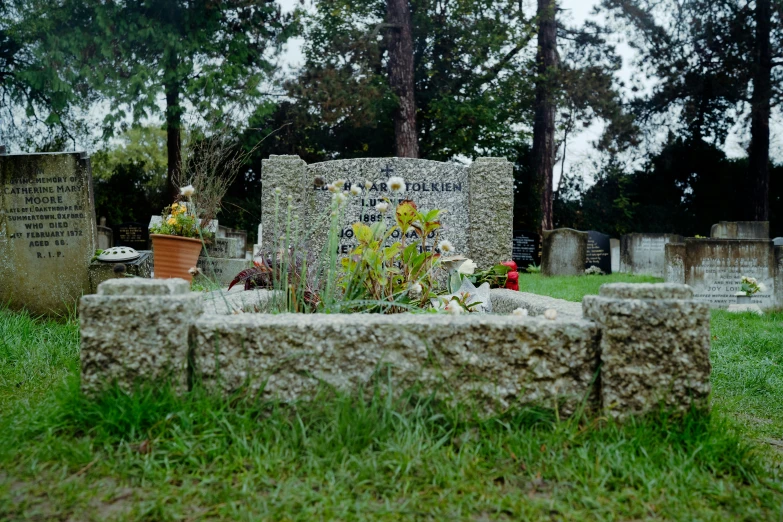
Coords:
47,230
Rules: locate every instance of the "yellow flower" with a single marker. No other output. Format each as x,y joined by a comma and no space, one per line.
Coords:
174,206
171,221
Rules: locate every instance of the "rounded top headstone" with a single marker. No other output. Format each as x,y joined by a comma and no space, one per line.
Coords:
646,291
118,254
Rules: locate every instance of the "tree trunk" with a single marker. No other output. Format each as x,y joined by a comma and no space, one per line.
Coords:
544,117
401,78
173,138
760,109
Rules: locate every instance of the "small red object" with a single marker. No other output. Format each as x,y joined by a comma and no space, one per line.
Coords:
512,280
511,264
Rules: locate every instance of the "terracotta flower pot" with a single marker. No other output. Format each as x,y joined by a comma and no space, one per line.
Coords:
174,256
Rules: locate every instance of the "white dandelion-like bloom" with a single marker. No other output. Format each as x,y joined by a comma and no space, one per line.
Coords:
356,190
396,184
278,190
187,191
382,207
368,185
331,187
550,313
520,312
415,290
340,198
340,183
446,246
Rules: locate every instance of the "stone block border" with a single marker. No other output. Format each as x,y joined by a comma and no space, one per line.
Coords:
637,346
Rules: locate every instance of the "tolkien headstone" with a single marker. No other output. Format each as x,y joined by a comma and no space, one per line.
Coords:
599,252
714,268
134,235
564,252
740,230
47,230
615,248
645,253
477,200
526,249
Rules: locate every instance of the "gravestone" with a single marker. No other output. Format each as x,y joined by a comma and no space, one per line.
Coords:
714,268
133,235
740,230
222,270
105,235
47,230
564,252
778,241
224,247
526,250
645,253
477,200
614,245
599,252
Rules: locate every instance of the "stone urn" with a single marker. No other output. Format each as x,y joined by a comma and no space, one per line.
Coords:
174,256
743,299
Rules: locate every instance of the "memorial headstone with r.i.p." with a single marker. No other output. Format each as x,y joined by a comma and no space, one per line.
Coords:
47,230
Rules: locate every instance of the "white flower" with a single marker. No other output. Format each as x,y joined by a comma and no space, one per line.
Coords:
467,268
331,188
550,313
340,198
340,183
521,312
356,190
382,207
187,191
368,185
445,246
396,184
454,308
762,287
415,290
194,270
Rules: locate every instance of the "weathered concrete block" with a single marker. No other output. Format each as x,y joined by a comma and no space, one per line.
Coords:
674,270
140,267
655,349
136,330
497,360
740,230
645,254
564,252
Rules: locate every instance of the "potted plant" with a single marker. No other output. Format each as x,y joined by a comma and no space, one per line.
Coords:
750,286
178,239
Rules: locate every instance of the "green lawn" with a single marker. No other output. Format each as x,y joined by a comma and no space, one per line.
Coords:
154,456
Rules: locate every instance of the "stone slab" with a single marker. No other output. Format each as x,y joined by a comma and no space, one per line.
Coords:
645,254
564,252
614,245
743,308
498,361
105,238
778,241
505,301
740,230
477,201
646,291
136,331
47,230
222,270
654,352
714,268
224,247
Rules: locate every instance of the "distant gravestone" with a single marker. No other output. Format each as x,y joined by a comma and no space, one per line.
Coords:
778,241
614,245
47,230
645,253
526,249
105,235
134,235
740,230
599,251
714,268
222,270
564,252
477,200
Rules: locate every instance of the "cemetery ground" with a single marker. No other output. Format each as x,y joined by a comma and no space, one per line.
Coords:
157,456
